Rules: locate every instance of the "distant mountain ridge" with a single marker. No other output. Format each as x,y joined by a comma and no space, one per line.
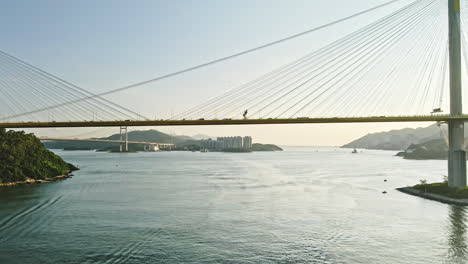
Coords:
397,139
139,135
151,136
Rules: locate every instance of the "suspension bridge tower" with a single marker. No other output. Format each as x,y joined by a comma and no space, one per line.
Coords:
457,154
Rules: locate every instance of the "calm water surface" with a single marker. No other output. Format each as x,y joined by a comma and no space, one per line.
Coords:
303,205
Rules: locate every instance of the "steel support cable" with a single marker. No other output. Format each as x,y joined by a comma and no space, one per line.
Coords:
392,16
13,101
326,89
319,65
45,93
39,94
388,75
423,52
17,99
9,98
14,83
383,82
430,64
442,80
420,84
464,52
355,100
405,94
253,49
239,90
99,130
403,90
370,70
390,78
465,56
64,85
323,51
346,43
408,69
215,106
377,73
51,93
350,97
53,79
372,74
7,104
265,79
342,66
430,79
234,55
392,36
66,108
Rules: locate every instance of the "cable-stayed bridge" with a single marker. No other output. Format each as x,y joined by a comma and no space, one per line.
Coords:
408,66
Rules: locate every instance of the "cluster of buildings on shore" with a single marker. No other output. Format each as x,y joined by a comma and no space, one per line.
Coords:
228,143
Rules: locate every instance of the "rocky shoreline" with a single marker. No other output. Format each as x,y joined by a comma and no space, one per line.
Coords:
434,197
33,181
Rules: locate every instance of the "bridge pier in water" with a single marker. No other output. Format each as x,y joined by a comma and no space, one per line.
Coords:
457,154
123,136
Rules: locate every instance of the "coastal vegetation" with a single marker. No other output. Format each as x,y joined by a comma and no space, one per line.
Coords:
265,147
442,188
433,149
23,157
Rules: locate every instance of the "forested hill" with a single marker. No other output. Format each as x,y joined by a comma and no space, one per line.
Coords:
433,149
141,135
151,136
23,156
396,139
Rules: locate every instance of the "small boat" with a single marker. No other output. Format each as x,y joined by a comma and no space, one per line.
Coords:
204,150
354,151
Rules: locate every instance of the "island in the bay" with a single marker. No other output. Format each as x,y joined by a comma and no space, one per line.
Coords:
182,143
24,159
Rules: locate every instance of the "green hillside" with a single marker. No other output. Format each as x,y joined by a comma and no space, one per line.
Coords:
433,149
22,156
143,135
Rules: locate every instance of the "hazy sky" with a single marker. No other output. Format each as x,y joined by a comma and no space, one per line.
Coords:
106,44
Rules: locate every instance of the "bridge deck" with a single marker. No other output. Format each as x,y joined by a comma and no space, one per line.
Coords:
217,122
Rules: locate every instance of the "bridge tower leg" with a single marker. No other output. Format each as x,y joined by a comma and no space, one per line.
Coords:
457,154
123,136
